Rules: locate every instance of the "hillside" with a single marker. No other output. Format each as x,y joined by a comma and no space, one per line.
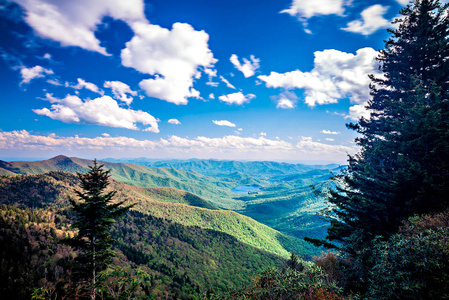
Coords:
215,191
183,261
264,170
286,201
54,188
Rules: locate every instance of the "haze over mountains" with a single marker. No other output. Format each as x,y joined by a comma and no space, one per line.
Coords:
285,201
187,221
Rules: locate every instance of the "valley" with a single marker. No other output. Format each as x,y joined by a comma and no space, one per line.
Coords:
188,221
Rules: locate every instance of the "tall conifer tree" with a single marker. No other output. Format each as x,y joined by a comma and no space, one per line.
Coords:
403,166
95,213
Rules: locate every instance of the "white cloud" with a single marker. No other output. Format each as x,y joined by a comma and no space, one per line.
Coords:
174,121
55,82
248,68
29,74
87,85
120,91
330,132
73,23
336,75
358,111
372,20
263,134
211,96
237,98
403,2
285,103
227,147
47,56
228,84
329,139
100,111
223,123
174,57
286,100
305,9
307,145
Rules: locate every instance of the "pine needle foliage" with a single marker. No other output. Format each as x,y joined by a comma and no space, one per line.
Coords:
402,168
95,212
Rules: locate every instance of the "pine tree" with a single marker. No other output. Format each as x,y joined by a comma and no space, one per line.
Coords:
95,213
403,166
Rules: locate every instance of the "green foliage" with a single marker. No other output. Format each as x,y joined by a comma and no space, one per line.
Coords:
95,212
30,252
117,283
310,283
187,260
285,202
402,167
413,264
35,191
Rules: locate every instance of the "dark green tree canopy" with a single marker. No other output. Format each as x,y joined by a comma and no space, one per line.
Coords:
95,212
402,168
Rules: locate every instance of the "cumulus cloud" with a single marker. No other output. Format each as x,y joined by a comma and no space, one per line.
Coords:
286,100
329,139
103,111
223,123
372,20
306,9
120,91
248,68
228,84
73,23
174,121
86,85
336,75
227,147
307,145
285,103
29,74
358,111
330,132
403,2
174,58
237,98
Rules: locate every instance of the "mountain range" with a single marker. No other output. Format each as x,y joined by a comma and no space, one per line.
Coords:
196,198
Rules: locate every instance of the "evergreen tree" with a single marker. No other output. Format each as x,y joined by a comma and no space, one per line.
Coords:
403,166
95,213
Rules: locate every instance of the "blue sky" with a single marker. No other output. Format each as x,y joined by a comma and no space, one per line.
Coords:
236,79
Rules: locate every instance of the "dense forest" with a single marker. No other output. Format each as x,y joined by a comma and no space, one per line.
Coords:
174,230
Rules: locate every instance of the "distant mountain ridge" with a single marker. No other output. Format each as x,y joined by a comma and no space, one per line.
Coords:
285,202
211,167
215,191
165,202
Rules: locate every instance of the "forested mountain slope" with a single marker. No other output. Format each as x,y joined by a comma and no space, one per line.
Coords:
183,261
285,202
54,188
215,191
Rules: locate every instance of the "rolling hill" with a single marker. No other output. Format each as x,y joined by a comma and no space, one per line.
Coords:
285,202
54,188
